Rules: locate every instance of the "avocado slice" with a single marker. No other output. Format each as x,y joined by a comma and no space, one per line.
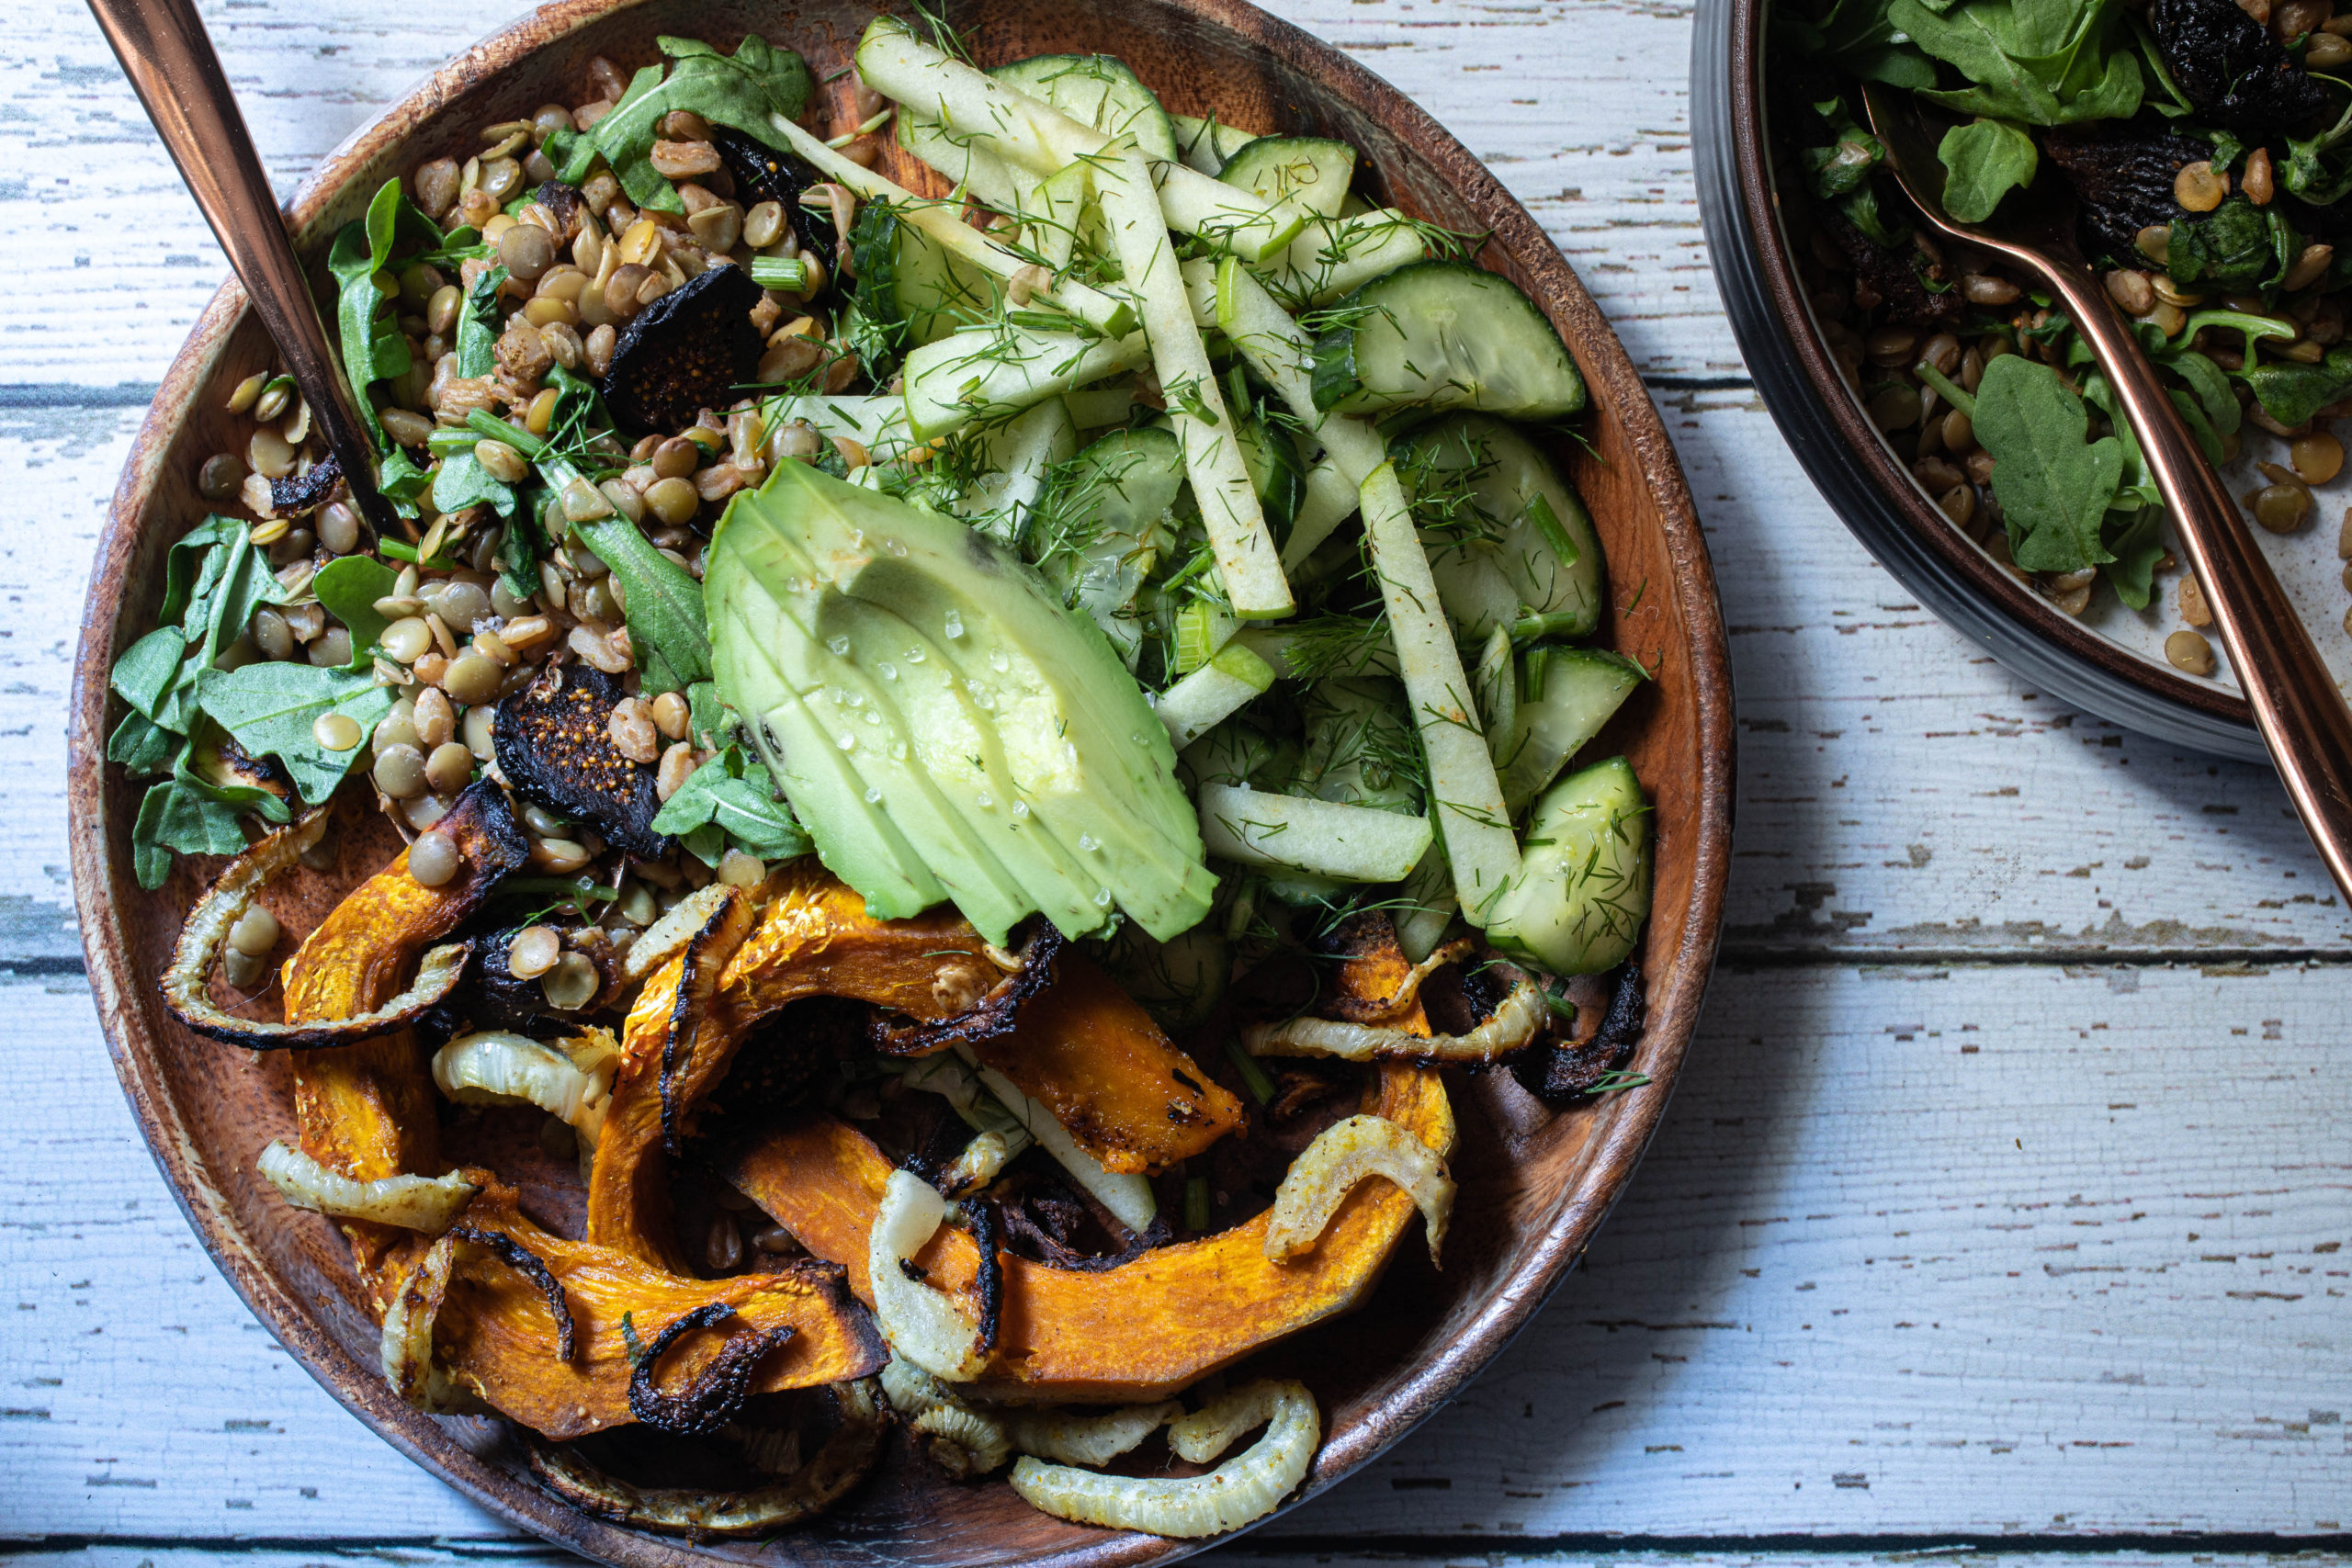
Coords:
1065,731
859,843
871,740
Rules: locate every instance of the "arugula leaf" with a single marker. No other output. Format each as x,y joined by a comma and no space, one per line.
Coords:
271,708
213,581
2137,546
1985,162
2037,61
2053,486
739,91
462,480
664,609
373,347
706,715
400,482
174,815
2292,393
735,795
348,589
143,747
1844,164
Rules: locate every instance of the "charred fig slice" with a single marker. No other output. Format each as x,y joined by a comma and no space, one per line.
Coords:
293,496
2124,183
1898,273
764,173
554,743
686,352
2231,68
496,998
1561,1070
563,202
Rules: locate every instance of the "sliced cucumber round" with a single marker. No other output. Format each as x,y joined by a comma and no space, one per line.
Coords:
1275,472
909,284
1097,90
1509,542
1583,887
1305,169
1443,335
1565,695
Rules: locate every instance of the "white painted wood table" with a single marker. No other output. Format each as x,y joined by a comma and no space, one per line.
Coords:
2000,1210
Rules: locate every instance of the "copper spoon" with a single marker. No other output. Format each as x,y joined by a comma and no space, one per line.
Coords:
2295,703
169,59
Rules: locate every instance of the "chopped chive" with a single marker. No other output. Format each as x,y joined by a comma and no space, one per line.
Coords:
490,427
397,551
788,274
1196,1204
1946,388
1253,1077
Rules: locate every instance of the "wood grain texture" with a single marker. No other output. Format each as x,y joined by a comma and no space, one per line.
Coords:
1923,845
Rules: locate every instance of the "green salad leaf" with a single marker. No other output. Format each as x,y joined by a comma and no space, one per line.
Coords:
175,816
2237,245
2053,483
1983,162
739,91
373,346
272,707
2035,61
732,794
349,588
2292,393
462,480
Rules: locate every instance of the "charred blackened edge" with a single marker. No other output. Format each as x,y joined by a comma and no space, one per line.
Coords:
992,1015
1560,1073
987,1235
697,989
526,1262
710,1399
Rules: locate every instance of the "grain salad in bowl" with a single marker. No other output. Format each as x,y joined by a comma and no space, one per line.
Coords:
2201,146
987,696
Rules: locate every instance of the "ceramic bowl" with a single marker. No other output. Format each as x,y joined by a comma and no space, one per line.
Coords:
2110,661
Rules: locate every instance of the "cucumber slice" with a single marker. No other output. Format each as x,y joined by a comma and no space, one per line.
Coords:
1307,169
1442,335
1207,697
1349,844
1509,544
1566,695
1207,143
909,284
1275,472
1238,752
1014,461
1583,887
1100,528
990,374
1360,745
1097,90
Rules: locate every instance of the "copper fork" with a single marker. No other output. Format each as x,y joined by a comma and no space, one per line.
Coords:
2296,702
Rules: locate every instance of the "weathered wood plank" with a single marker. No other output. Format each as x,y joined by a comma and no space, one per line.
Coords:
1976,1250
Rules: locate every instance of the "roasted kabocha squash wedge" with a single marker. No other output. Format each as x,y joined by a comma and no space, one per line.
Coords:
1091,1055
812,937
497,1335
367,1110
1142,1330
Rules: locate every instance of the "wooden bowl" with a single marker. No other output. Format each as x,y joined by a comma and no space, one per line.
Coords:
2115,670
1534,1184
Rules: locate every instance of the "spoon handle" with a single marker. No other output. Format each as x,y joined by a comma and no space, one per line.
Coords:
2295,698
169,58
